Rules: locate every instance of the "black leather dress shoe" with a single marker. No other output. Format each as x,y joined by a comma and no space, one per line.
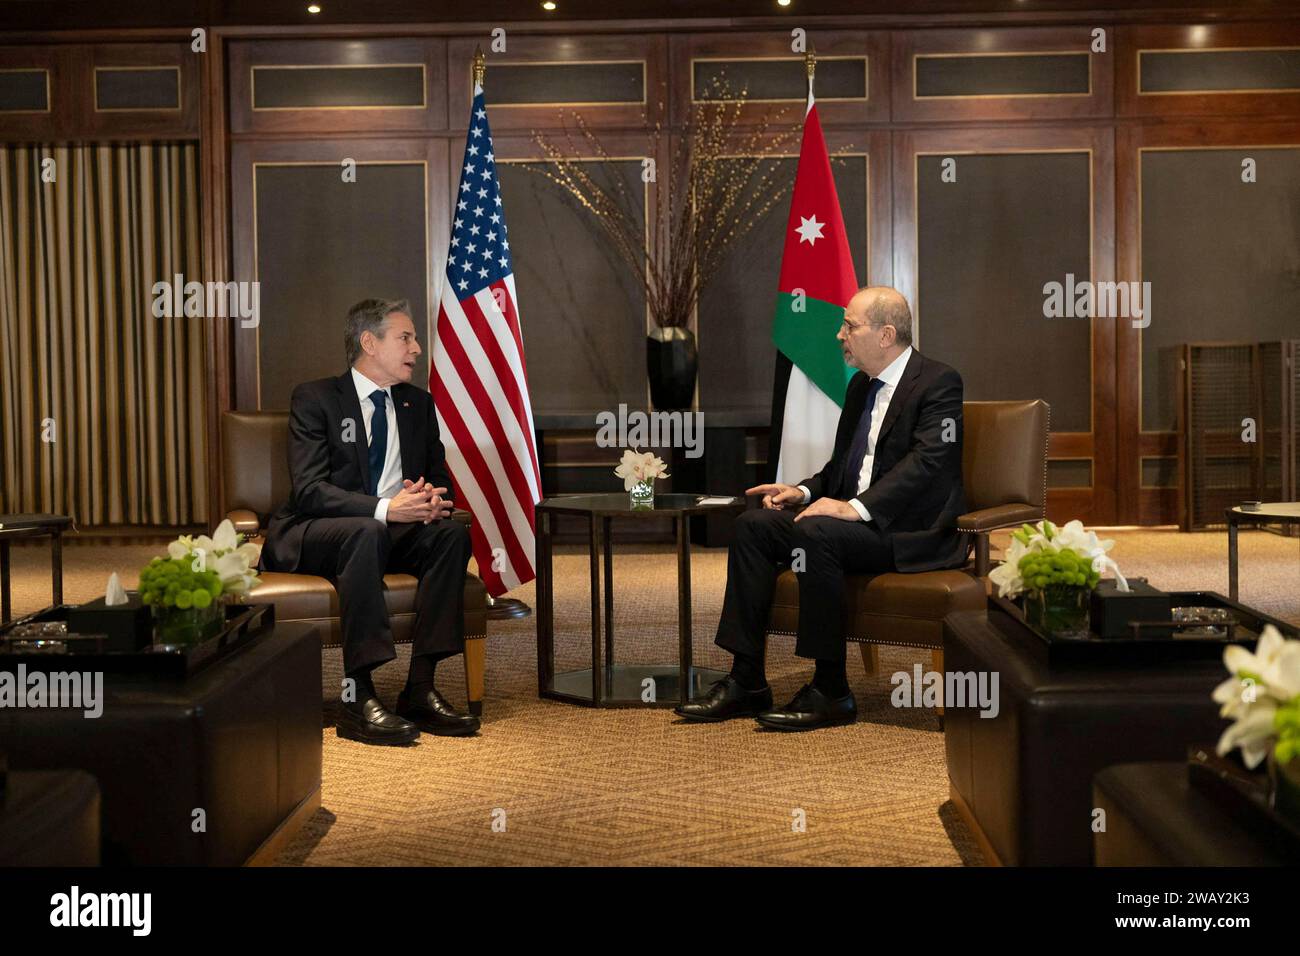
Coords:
726,699
434,715
811,709
372,723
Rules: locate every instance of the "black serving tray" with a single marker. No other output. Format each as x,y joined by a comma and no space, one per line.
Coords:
1244,794
163,661
1149,641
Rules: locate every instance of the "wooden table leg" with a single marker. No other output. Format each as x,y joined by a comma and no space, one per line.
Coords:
56,565
4,582
545,606
597,665
606,527
1232,558
684,606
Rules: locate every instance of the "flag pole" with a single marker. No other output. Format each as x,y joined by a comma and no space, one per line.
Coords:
503,608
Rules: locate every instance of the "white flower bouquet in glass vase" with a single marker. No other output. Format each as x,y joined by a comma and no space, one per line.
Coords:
188,587
639,471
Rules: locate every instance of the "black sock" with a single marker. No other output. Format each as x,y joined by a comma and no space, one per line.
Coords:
420,678
365,688
830,678
748,672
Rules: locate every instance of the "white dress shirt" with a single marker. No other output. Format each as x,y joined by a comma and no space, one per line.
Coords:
889,382
390,481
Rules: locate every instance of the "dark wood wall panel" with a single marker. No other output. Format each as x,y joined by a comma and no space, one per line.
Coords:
1221,256
1031,73
973,256
25,91
852,73
573,71
317,244
336,86
343,86
322,245
123,91
988,243
1227,69
965,76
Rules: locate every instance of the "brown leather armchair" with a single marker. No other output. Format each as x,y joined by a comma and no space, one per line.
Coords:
255,481
1004,470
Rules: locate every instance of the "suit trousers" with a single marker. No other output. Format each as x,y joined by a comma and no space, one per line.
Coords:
356,553
822,550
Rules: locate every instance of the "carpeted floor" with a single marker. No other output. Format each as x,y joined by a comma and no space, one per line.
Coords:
548,783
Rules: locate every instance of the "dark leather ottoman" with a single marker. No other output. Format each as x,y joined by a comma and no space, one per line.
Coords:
240,740
1155,817
1023,779
50,818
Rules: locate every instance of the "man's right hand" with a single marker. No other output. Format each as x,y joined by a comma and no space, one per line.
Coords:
414,503
777,496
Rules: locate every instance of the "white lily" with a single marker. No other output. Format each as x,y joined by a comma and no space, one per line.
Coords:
225,538
1048,537
642,466
1253,732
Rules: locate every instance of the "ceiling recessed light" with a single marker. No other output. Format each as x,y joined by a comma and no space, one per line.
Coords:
548,6
783,3
313,9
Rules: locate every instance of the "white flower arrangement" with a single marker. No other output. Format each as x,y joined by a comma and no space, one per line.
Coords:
1262,697
637,467
1043,555
226,553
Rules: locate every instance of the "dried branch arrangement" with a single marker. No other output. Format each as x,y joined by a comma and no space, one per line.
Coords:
721,180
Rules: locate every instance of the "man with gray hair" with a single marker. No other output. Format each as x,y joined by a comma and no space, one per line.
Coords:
888,500
371,495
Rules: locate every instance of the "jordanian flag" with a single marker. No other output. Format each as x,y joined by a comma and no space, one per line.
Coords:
817,281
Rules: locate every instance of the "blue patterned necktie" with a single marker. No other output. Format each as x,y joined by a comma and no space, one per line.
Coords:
858,449
378,438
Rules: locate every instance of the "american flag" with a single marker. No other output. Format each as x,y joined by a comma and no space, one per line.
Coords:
478,379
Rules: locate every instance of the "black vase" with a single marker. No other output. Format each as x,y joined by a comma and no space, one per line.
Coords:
671,364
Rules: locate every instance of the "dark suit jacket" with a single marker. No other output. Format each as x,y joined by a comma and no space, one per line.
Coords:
330,475
915,495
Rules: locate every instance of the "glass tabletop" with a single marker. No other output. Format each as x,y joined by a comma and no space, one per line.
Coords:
1278,510
620,503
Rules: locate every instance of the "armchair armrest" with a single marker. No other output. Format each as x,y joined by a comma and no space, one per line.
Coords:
999,516
245,521
981,522
464,517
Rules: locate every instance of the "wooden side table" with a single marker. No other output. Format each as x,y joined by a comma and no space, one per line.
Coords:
1269,512
31,526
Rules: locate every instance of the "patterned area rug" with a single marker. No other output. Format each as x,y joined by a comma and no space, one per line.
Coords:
551,783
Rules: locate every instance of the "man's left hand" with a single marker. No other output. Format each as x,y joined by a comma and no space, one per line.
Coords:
830,508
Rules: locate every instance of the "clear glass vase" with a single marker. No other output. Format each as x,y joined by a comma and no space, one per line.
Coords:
1284,786
643,494
187,625
1059,609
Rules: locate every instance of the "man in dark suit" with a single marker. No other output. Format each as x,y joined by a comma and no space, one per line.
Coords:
371,495
888,500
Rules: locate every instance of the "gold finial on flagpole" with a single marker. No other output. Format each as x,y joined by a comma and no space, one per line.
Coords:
810,64
480,67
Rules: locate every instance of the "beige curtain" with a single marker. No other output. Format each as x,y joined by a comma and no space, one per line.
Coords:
101,403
